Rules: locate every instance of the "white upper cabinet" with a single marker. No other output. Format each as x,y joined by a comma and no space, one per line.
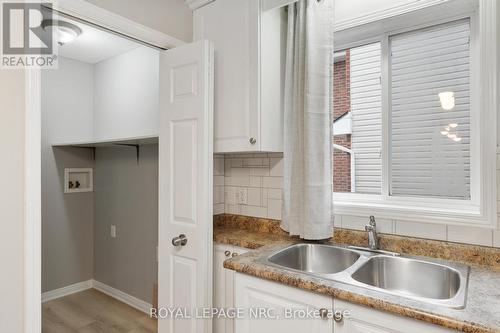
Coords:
126,91
67,104
249,73
115,99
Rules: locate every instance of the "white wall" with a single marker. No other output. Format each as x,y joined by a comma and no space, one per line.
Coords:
126,95
171,17
12,94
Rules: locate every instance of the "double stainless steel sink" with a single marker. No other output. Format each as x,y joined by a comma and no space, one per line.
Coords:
431,281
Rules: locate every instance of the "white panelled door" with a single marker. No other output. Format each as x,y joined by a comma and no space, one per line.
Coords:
185,194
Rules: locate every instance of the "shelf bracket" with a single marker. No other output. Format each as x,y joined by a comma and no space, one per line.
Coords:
137,149
93,150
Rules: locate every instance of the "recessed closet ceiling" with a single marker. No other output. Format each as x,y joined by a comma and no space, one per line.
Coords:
94,45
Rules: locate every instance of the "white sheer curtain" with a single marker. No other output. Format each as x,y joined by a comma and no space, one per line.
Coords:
307,197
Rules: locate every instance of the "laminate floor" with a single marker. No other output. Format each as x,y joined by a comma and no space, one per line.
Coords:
91,311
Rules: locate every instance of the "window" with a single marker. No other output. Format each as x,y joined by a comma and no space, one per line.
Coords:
357,126
404,140
430,112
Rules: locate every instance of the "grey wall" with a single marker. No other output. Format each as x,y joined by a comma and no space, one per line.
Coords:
126,195
67,219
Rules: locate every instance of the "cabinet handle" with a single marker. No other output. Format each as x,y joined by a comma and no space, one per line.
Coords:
227,253
234,254
338,316
323,313
252,141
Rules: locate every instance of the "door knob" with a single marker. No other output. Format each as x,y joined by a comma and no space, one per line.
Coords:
180,240
227,253
252,141
234,254
338,316
323,313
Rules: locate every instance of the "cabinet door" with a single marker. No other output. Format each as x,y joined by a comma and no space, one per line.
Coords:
222,281
224,285
365,320
232,25
254,293
235,251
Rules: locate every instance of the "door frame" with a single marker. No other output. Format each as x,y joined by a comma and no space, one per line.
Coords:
32,141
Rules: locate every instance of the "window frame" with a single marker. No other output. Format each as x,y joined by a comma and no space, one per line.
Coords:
480,210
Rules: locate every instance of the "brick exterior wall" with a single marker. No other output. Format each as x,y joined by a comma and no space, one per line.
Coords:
341,106
341,87
342,165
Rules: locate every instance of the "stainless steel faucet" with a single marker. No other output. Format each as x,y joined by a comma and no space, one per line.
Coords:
371,229
372,234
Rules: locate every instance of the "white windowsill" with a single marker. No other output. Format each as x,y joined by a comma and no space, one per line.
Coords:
425,210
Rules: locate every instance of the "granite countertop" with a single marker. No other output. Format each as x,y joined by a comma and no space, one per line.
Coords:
481,314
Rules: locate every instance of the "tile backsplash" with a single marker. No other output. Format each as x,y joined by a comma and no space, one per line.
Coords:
252,185
248,184
218,184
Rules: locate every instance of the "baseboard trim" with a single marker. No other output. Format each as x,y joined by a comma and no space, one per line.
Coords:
122,297
104,288
68,290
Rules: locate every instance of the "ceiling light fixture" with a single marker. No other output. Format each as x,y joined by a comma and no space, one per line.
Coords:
64,32
447,100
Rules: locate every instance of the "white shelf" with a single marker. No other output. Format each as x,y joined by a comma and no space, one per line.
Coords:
141,140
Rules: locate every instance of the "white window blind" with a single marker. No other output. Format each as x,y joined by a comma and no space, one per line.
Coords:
429,136
366,108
